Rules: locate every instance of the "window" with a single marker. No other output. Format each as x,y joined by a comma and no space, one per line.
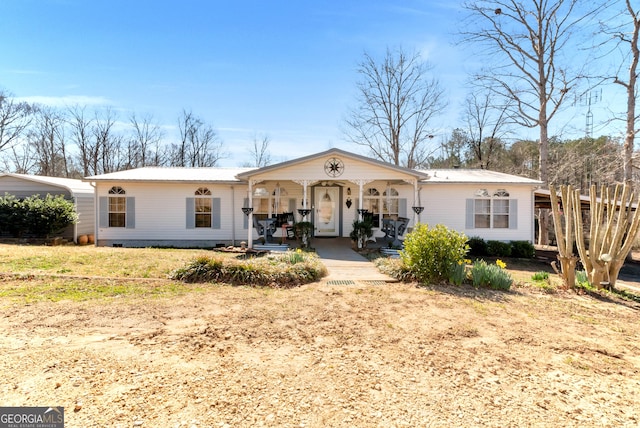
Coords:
390,203
500,213
117,207
371,202
482,213
260,201
491,212
203,207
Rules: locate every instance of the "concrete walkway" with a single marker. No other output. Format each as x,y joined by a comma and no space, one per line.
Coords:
344,265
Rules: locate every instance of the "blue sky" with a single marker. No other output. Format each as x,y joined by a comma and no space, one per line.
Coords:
286,69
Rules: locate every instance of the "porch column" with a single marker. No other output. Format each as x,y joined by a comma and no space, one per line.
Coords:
361,184
304,184
250,224
416,198
416,202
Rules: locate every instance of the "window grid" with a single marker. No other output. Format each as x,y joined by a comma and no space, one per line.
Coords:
203,207
491,213
117,207
371,202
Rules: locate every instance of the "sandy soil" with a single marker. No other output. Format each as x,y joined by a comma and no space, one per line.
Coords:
320,355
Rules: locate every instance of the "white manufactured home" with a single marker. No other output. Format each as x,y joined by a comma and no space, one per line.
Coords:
207,207
82,194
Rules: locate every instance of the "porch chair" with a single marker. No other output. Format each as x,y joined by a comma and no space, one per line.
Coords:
290,220
389,227
403,222
266,234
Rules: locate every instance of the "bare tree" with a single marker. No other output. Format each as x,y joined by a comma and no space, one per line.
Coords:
80,128
199,144
47,138
626,37
585,162
397,101
14,119
107,156
260,151
144,146
20,160
527,42
99,147
486,125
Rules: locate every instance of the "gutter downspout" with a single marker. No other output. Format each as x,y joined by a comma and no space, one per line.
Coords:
233,216
96,214
75,226
532,220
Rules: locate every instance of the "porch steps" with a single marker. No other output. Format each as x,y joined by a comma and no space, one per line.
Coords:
271,247
390,252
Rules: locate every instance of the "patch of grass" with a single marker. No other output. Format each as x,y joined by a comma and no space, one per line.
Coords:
31,289
540,276
93,261
544,286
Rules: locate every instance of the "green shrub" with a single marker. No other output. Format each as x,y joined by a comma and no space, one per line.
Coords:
498,249
279,270
540,276
522,249
362,231
430,253
12,215
490,276
41,217
477,246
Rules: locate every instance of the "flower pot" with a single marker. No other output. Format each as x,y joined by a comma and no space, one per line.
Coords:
83,240
90,239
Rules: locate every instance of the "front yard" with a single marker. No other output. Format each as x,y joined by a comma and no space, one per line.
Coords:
104,333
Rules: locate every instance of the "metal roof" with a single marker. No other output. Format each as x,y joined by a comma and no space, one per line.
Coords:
238,175
173,174
74,186
461,175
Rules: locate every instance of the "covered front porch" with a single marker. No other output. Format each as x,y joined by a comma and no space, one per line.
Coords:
329,190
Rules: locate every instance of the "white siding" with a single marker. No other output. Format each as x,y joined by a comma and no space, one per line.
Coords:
314,170
86,216
446,204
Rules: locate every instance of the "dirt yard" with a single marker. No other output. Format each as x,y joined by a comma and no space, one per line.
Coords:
316,356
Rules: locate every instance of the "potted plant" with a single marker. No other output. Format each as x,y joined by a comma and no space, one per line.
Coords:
362,231
304,231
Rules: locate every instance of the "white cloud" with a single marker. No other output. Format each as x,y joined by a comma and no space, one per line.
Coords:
67,100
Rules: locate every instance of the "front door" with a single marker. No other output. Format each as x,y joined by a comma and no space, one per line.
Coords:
327,211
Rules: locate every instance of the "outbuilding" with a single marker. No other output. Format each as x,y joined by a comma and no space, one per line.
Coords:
78,191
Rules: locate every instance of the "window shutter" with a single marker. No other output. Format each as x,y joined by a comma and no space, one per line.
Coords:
245,221
513,213
191,213
469,222
103,221
402,207
215,213
131,213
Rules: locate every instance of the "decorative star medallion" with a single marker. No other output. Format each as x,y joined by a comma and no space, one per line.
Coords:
334,167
